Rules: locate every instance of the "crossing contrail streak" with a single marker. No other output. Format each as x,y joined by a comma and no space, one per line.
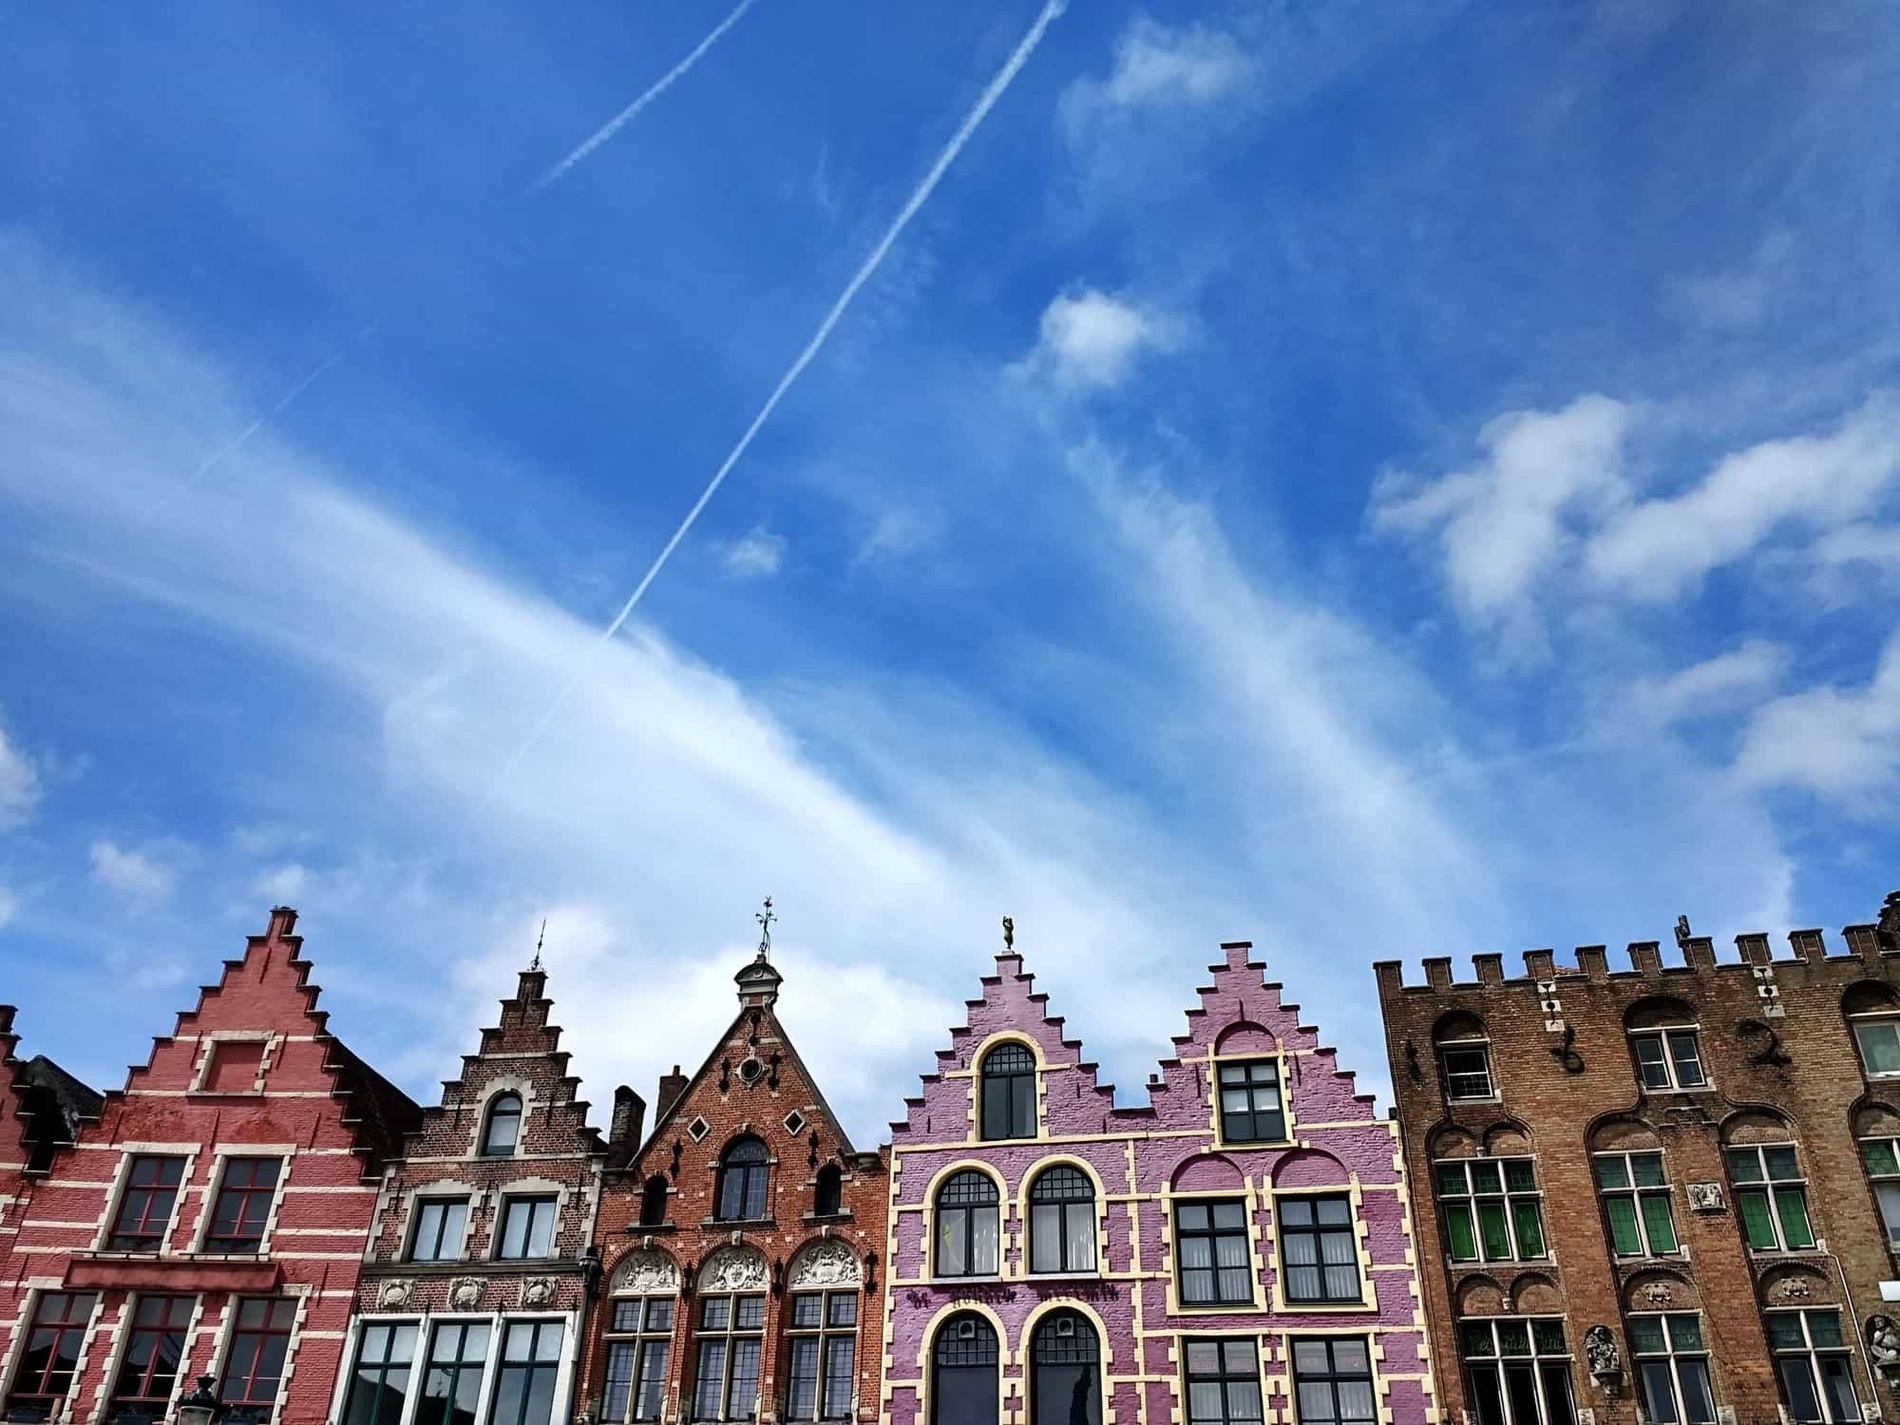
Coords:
919,196
628,114
236,443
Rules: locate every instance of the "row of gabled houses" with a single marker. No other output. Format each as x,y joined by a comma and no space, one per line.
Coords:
1665,1194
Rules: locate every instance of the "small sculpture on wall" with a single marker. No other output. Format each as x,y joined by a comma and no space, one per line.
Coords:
395,1294
1706,1197
537,1292
465,1293
1883,1344
1606,1361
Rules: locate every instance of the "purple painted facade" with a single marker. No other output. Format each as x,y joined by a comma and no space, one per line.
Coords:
1156,1171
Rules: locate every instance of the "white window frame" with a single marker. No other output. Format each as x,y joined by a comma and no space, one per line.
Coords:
1886,1186
1887,1021
1481,1046
1636,1194
1674,1358
1770,1186
1665,1036
1471,1197
1811,1355
1537,1360
551,1198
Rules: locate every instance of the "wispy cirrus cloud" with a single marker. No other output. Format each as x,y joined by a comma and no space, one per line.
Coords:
756,554
20,785
138,877
1156,65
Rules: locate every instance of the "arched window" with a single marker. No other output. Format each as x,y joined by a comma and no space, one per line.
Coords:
967,1225
502,1131
653,1201
963,1380
1065,1386
828,1198
1009,1092
1874,1016
1062,1222
1464,1058
742,1181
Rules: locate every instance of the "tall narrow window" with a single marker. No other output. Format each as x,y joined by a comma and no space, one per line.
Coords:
44,1376
827,1198
1669,1058
1672,1367
1771,1197
1009,1092
653,1201
1873,1014
963,1373
1319,1249
726,1373
742,1178
824,1338
1881,1157
1062,1222
145,1207
1518,1371
242,1209
639,1339
527,1228
502,1129
1065,1385
254,1366
1213,1262
440,1224
530,1360
1636,1202
1250,1107
967,1209
452,1388
1814,1366
1493,1210
1332,1381
379,1387
148,1371
1223,1382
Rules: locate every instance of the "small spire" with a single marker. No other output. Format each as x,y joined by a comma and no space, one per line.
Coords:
1009,932
540,940
765,919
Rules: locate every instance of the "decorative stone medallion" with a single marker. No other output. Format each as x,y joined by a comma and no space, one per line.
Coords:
537,1292
646,1271
1706,1197
830,1263
394,1295
734,1269
465,1293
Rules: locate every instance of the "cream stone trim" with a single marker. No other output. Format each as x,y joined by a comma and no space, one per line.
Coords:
118,1187
928,1207
1103,1199
214,1183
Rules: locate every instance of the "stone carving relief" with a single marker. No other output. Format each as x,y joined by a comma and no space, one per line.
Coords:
465,1293
537,1291
1658,1294
1706,1197
1599,1348
646,1271
1793,1289
394,1295
734,1269
1883,1343
830,1263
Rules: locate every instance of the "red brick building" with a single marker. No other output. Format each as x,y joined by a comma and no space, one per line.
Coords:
209,1219
742,1245
1666,1193
482,1268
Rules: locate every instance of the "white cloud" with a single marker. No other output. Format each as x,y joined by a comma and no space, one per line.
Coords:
9,907
1661,548
134,875
896,534
1842,744
284,885
1505,522
1860,543
1739,299
1156,65
1090,340
19,785
758,555
1717,685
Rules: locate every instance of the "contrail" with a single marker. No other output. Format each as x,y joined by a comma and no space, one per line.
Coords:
236,443
627,115
1004,76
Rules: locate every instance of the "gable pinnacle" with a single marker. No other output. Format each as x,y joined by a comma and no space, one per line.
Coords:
758,981
765,919
534,968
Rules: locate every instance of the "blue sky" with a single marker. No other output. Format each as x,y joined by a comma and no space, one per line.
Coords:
1379,480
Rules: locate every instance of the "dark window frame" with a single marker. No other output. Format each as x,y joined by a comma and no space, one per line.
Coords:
743,1191
525,1373
150,1229
262,1339
974,1350
445,1246
1053,1355
396,1342
54,1339
1070,1192
1319,1233
514,1116
1228,1377
1664,1072
454,1371
147,1344
235,1207
822,1333
1251,1123
1524,1361
639,1333
1332,1378
1007,1090
734,1329
1197,1220
965,1197
539,1207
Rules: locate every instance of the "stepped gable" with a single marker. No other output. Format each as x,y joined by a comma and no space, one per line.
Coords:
43,1107
268,984
1010,1003
1242,1012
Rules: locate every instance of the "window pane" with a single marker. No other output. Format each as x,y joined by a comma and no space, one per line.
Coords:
1837,1382
1698,1401
1889,1195
840,1359
1824,1327
1463,1240
1687,1056
1045,1237
1080,1247
1659,1393
1623,1235
1797,1388
1791,1206
1744,1165
1491,1226
804,1387
1514,1338
953,1241
1650,1067
983,1237
1879,1046
1647,1169
1659,1222
1612,1172
1758,1223
1880,1157
1528,1217
1486,1177
1781,1163
1520,1176
1451,1179
711,1377
1646,1335
1784,1330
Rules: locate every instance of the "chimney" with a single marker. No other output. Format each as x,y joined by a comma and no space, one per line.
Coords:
283,920
630,1112
671,1087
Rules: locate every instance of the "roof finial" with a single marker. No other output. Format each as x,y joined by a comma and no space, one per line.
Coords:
765,919
1683,933
540,940
1009,932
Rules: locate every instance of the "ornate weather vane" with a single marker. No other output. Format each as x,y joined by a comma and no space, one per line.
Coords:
540,940
765,919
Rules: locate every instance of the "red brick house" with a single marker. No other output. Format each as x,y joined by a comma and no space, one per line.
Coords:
480,1273
742,1245
209,1219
